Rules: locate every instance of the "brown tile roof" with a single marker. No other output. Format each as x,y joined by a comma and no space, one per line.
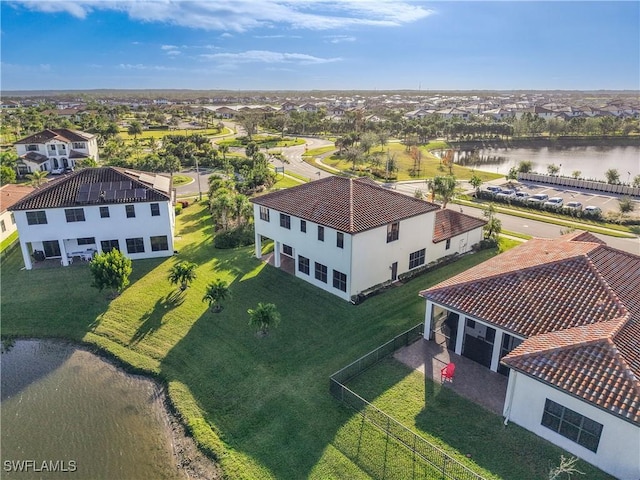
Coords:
345,204
450,223
64,192
11,193
62,134
35,157
577,303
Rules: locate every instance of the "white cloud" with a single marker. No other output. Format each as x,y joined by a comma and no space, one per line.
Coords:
169,47
340,38
24,68
265,56
173,53
140,66
243,15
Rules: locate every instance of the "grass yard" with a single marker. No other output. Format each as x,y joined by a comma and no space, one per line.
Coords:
260,405
159,134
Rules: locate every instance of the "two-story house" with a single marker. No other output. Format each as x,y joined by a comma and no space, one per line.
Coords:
96,210
348,235
54,149
561,319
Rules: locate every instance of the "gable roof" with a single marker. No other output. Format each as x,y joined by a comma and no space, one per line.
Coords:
65,192
450,223
61,134
576,302
350,205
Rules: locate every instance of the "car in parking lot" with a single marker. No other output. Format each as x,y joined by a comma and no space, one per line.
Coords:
591,210
554,202
522,196
493,189
538,198
573,206
504,194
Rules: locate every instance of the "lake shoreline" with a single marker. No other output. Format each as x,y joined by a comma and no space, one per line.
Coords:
556,142
190,461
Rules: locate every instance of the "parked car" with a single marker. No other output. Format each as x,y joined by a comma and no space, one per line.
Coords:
538,198
554,202
57,171
573,206
506,194
591,210
493,189
524,196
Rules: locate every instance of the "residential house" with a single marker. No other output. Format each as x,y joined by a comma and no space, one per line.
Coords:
96,210
9,195
347,235
55,148
448,113
560,318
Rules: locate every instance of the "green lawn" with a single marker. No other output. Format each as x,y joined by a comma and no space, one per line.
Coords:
261,405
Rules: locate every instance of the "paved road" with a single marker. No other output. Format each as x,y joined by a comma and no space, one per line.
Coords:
298,165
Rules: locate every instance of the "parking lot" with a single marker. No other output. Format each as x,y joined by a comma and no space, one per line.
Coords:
606,202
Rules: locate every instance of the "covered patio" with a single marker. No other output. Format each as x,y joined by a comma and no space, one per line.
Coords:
471,380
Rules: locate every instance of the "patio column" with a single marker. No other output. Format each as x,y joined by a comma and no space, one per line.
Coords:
497,347
462,322
276,254
258,244
63,252
26,257
427,320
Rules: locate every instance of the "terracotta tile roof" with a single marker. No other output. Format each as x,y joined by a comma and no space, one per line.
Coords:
11,193
77,154
450,223
62,134
64,192
577,303
345,204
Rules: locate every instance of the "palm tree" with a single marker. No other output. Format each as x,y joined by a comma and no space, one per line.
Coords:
444,187
494,226
216,292
183,273
37,177
135,129
263,316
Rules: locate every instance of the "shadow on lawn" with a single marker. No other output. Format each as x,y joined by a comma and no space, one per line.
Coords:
152,320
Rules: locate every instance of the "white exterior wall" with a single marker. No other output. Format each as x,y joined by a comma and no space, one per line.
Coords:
45,149
308,245
373,256
459,244
619,448
116,227
9,225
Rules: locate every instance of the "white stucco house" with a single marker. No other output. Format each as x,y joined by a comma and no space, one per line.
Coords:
560,318
96,210
9,195
55,148
348,235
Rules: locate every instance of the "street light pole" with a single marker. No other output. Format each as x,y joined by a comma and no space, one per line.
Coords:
198,178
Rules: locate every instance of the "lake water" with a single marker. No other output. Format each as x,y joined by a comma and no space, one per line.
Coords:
592,162
76,412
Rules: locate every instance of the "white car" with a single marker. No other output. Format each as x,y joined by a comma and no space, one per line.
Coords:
506,194
554,202
57,171
573,206
524,196
538,198
591,210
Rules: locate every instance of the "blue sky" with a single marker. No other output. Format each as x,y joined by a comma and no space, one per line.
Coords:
320,44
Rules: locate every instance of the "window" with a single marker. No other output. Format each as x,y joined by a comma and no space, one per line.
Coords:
13,219
303,264
131,211
135,245
3,227
471,323
159,243
264,214
321,272
32,148
52,148
393,231
74,214
416,259
303,226
38,217
448,245
339,281
285,221
87,241
108,245
104,212
320,233
155,209
572,425
287,250
62,148
79,145
339,239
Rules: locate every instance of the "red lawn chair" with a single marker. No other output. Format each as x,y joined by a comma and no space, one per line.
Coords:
447,372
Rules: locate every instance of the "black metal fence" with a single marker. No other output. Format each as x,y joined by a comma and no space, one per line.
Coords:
406,454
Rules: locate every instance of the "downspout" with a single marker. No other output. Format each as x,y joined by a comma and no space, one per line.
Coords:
512,387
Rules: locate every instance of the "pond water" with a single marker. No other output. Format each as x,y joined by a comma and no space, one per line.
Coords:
592,162
81,416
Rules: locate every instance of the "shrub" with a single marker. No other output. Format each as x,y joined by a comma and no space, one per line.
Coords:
238,237
178,208
184,203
